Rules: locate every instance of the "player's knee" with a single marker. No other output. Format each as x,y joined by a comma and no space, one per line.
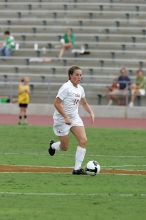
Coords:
83,142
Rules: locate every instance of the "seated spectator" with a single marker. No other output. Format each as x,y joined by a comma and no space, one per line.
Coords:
67,42
123,87
137,88
8,46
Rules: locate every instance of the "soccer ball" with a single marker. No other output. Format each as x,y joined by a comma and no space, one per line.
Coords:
92,168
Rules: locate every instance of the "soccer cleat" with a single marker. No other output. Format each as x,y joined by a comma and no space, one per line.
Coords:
79,172
51,150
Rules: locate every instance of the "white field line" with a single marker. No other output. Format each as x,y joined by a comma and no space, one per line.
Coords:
74,194
41,166
91,155
127,165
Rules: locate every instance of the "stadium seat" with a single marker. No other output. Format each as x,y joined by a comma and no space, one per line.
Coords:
112,31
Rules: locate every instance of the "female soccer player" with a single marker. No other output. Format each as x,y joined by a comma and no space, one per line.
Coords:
66,117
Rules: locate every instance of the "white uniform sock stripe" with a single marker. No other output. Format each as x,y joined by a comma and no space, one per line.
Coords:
56,145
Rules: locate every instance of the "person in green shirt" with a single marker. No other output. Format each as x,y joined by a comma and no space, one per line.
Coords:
138,87
67,42
8,46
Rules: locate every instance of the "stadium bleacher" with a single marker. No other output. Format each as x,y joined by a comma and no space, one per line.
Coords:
113,31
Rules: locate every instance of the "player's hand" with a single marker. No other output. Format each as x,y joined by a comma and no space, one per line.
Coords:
67,120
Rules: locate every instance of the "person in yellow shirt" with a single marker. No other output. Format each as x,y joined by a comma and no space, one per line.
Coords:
23,99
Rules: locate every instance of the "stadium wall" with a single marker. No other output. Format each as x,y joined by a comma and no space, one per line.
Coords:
100,111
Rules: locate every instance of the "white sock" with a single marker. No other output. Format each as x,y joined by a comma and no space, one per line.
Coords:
56,145
79,157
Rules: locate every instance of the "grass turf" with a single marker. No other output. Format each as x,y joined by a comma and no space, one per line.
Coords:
64,196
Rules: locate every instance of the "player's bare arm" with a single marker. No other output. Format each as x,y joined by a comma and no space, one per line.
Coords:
58,105
87,108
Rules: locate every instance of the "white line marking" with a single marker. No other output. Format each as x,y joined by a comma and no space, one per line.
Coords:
117,156
74,194
104,166
61,154
126,165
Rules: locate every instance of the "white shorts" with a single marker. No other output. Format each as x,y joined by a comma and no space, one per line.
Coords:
64,129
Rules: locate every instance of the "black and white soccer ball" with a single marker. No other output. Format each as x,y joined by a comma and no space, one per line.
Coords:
92,168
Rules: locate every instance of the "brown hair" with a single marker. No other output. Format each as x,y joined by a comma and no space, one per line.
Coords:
7,32
72,69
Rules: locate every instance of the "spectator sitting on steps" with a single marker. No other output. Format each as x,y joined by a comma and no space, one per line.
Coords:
67,42
122,90
137,88
8,46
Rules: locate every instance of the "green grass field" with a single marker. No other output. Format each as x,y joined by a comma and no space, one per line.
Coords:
43,196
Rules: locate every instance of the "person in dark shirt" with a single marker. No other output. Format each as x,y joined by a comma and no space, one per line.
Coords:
122,90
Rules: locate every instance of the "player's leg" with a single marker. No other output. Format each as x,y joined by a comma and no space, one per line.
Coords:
80,134
62,144
25,114
20,114
61,132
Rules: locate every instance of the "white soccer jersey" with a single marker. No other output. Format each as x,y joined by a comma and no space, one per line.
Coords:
70,96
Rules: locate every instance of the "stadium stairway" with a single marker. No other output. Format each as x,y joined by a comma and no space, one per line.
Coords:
113,31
